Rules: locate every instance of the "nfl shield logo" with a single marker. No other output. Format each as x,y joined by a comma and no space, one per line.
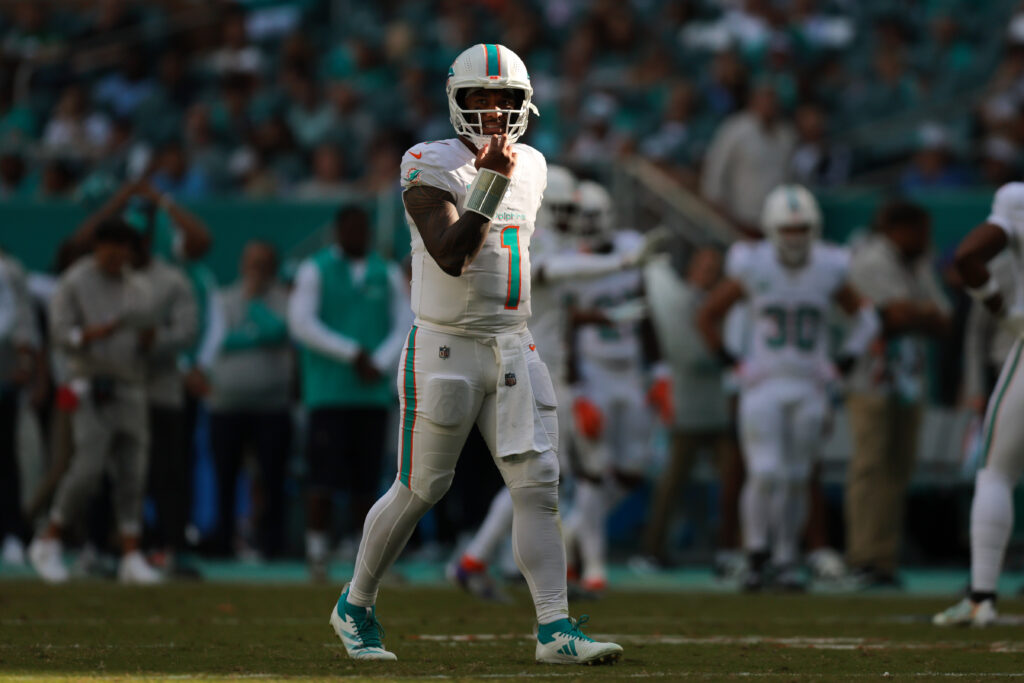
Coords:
443,353
510,379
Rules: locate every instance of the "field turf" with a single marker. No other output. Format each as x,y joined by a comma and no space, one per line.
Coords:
209,630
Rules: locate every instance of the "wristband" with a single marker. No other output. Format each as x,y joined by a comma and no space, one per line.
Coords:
984,291
486,192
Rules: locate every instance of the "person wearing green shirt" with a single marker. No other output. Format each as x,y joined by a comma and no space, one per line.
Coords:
349,312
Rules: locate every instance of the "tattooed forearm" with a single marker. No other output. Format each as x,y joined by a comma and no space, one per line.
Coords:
452,241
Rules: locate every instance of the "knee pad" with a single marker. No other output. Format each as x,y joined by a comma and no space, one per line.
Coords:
523,471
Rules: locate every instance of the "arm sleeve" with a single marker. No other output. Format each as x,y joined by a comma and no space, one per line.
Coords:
386,355
178,332
304,324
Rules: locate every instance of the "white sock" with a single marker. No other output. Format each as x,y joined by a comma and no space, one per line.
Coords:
755,512
991,524
538,546
387,529
316,545
788,517
496,528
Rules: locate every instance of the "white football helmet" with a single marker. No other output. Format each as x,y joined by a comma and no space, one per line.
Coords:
791,219
597,211
561,202
488,66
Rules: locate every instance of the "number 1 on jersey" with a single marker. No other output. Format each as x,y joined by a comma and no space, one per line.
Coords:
510,241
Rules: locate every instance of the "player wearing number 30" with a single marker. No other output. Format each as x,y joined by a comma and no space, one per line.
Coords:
791,281
471,202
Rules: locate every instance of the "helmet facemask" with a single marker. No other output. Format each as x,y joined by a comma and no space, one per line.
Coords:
469,123
793,242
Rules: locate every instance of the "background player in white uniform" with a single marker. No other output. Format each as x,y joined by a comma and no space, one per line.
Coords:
556,264
612,425
791,281
471,203
1003,436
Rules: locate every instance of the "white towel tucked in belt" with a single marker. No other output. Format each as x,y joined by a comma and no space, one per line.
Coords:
519,426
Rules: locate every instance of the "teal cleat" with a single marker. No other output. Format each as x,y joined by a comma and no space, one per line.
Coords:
359,630
562,642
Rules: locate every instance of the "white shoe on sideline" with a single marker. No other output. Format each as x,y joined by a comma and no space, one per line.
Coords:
134,569
47,557
13,552
967,613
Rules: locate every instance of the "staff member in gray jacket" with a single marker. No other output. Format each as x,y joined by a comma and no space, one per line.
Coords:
98,316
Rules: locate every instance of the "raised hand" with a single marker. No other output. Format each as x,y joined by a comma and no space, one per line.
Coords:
497,155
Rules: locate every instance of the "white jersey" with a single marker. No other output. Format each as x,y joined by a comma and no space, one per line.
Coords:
617,345
1008,214
789,307
493,295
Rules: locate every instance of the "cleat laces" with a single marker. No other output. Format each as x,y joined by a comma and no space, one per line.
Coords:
369,629
576,633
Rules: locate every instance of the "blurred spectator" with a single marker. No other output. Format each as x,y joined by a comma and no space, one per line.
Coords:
174,174
97,314
229,115
328,181
677,140
353,123
598,142
201,147
235,54
31,37
350,313
749,155
725,87
175,324
933,166
309,116
12,174
887,392
382,169
702,415
58,181
123,91
817,162
75,131
250,397
19,356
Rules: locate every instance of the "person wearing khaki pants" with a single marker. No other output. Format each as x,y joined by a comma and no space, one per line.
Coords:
887,386
885,435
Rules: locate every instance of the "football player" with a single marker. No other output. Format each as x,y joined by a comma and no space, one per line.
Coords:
471,202
612,425
1003,436
791,280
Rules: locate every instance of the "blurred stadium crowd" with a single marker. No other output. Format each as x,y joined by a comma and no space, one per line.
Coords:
298,98
144,107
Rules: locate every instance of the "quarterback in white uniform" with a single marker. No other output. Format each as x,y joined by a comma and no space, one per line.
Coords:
1003,436
471,202
791,281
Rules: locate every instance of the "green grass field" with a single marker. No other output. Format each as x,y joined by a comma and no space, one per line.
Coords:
210,630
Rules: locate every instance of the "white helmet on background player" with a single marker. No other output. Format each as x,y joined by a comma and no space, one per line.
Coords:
597,211
561,203
493,67
791,219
